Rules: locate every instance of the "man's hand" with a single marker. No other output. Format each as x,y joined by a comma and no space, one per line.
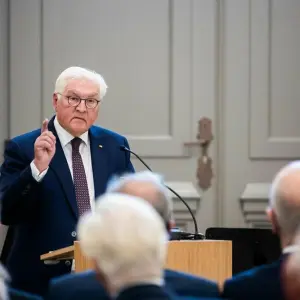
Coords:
44,148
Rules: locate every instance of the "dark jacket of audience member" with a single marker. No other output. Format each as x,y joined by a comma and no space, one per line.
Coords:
85,285
263,282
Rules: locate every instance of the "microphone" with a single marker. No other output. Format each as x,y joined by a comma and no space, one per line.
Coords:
180,234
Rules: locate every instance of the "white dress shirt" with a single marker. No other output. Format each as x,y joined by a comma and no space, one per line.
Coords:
65,139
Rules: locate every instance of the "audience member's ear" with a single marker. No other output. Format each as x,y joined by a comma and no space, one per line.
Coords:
272,218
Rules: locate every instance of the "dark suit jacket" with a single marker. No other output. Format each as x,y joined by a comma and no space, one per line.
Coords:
44,215
263,282
145,292
85,285
20,295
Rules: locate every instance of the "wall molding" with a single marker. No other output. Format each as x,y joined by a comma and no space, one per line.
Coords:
192,196
254,200
264,143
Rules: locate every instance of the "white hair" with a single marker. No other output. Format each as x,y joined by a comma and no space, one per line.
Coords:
126,237
80,73
164,203
4,277
288,215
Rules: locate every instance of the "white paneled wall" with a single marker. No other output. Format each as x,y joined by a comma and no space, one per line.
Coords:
167,64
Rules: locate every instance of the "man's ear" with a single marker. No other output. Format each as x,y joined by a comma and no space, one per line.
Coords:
273,219
54,100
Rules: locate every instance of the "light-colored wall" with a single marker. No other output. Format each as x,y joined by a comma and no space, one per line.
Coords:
260,100
168,63
151,54
4,90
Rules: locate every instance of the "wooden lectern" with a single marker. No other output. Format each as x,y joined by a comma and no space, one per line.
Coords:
208,258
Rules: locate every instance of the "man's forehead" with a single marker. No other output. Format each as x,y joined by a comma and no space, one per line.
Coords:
79,86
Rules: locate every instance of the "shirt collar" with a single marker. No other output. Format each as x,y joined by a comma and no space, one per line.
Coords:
65,137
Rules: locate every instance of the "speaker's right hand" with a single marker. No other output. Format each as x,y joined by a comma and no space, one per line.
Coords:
44,148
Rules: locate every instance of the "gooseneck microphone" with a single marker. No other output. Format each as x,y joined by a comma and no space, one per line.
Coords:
196,235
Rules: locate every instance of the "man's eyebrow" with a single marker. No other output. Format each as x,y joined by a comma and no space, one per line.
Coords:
93,95
75,94
72,92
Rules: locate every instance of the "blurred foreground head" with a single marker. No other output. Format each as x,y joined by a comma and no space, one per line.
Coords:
291,272
284,203
4,278
149,186
127,240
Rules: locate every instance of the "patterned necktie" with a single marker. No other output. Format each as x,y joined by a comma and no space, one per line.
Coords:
79,178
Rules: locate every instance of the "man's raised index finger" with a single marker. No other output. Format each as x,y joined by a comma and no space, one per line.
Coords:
45,125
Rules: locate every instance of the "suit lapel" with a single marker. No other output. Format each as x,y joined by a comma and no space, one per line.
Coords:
99,156
60,167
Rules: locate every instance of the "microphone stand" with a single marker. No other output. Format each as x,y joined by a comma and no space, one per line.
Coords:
179,234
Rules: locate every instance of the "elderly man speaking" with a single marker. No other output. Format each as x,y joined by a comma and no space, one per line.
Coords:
51,176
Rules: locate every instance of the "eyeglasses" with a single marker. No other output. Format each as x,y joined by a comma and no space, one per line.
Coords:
75,101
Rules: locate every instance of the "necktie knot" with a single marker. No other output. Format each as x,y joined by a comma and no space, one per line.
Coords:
76,143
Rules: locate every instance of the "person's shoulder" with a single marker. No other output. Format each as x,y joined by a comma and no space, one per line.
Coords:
101,131
253,278
172,274
190,285
263,281
70,279
18,294
109,135
255,274
76,286
27,137
23,143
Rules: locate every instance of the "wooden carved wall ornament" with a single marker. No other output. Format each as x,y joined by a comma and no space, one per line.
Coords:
204,167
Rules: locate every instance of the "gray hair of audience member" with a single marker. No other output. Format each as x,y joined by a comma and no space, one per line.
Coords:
126,238
284,200
164,203
4,278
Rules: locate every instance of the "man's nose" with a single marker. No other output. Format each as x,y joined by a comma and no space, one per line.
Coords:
81,106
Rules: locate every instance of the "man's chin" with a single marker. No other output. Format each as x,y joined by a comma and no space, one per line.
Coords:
78,128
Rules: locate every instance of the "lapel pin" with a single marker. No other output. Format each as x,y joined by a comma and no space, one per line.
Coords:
100,146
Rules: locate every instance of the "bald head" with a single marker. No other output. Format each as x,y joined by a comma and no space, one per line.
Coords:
146,190
284,204
148,186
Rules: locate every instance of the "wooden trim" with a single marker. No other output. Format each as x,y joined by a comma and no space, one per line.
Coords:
209,258
60,254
